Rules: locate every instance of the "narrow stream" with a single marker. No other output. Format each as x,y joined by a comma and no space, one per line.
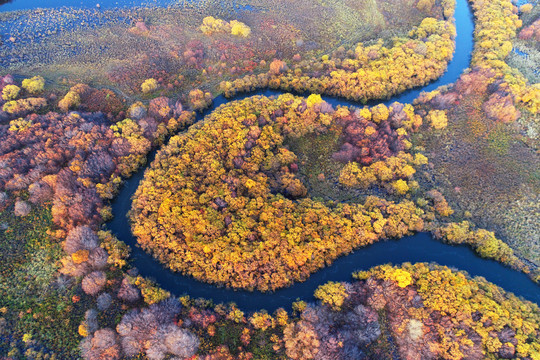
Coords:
418,248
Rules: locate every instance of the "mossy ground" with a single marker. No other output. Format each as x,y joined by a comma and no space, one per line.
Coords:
485,168
37,310
319,172
260,345
384,347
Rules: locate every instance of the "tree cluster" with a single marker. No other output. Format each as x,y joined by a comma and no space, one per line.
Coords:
212,25
153,331
371,72
82,97
484,242
75,162
442,314
223,203
531,32
496,26
429,312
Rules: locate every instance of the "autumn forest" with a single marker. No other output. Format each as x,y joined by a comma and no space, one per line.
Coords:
246,147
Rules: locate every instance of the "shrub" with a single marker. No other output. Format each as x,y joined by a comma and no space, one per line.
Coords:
94,282
240,29
22,208
151,293
21,107
438,119
525,8
70,101
301,341
39,192
152,331
98,258
80,256
332,294
118,251
10,92
149,85
103,345
128,292
80,238
91,321
104,301
34,85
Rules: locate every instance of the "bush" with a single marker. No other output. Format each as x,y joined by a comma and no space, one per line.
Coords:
98,258
104,301
70,101
10,92
438,119
128,292
149,85
94,282
103,345
22,208
80,238
34,85
152,331
332,294
301,341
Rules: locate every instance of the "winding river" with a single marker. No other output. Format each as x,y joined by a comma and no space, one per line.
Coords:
418,248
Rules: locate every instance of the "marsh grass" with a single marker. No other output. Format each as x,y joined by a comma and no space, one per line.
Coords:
38,312
486,169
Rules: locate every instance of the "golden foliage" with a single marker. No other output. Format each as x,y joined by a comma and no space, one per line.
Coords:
83,330
209,208
149,85
34,85
332,294
70,101
402,277
118,251
464,303
377,72
150,291
495,28
10,92
483,241
240,29
80,256
395,173
314,99
213,25
262,320
19,124
438,119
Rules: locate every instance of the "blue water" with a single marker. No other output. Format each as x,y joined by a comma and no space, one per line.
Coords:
420,247
53,4
92,4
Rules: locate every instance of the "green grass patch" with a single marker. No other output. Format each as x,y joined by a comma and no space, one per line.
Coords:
38,314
